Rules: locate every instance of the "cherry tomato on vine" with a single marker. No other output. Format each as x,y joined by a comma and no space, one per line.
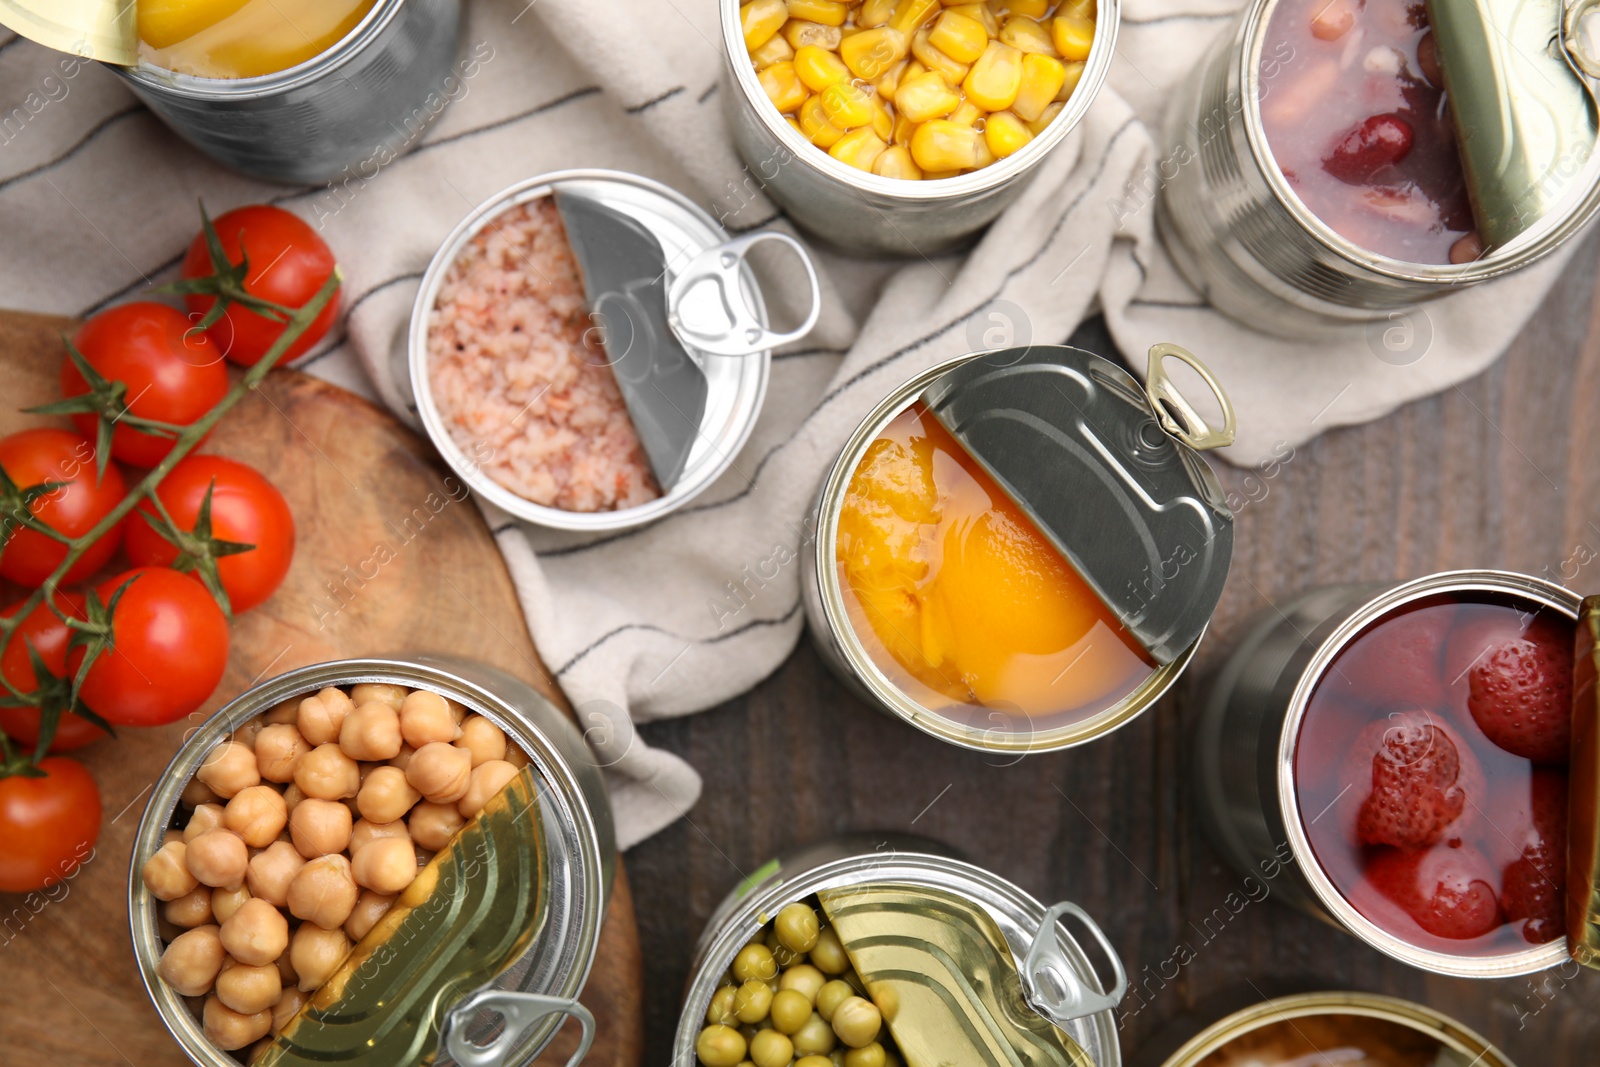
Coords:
48,635
288,264
245,509
168,649
36,457
48,825
171,374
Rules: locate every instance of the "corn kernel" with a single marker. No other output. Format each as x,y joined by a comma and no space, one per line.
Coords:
960,38
904,130
1031,9
1079,9
827,12
882,118
993,82
1036,127
980,14
794,124
927,96
921,47
871,52
859,148
896,162
874,13
943,145
1072,36
760,19
776,50
815,125
1074,73
1005,133
846,105
1041,80
800,33
782,86
985,156
889,80
820,68
909,15
966,114
1026,35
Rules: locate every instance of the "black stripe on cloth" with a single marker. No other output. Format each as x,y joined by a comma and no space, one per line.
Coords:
502,528
576,94
806,352
735,632
132,286
350,309
648,104
709,93
769,220
93,132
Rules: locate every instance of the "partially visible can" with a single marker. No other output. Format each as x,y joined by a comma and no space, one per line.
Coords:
580,839
869,214
1245,749
361,103
865,859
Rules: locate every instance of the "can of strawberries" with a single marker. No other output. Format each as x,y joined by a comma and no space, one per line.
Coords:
1398,753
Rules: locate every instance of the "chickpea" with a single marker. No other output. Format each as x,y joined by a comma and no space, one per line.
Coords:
483,739
167,874
755,961
257,814
403,758
324,892
440,772
290,1001
286,970
379,693
229,768
217,858
387,865
515,756
230,1030
204,818
426,717
771,1049
752,1002
828,954
797,928
278,751
320,716
370,907
248,989
224,902
169,836
367,831
191,962
320,827
271,870
316,953
284,711
371,732
257,933
197,793
433,825
789,1010
869,1055
814,1038
385,795
721,1009
857,1021
327,773
190,910
720,1046
245,733
803,978
488,778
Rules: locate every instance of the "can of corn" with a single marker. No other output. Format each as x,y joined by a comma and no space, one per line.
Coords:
1048,983
1019,551
1254,752
427,986
858,210
345,113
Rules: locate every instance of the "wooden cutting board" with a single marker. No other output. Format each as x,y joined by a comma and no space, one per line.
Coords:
363,487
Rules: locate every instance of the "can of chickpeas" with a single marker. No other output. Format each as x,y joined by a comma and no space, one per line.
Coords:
395,860
811,92
889,950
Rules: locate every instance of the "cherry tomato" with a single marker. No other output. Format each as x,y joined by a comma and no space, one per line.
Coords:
245,508
169,645
48,635
34,457
172,375
288,264
48,826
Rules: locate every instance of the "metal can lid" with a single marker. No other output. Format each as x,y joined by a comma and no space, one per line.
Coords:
1109,472
1583,805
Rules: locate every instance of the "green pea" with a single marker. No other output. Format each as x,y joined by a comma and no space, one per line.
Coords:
721,1010
797,928
790,1010
752,1001
754,961
830,996
719,1046
771,1049
828,954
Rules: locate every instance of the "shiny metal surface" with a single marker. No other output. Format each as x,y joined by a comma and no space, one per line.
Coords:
92,29
1245,742
1583,810
343,114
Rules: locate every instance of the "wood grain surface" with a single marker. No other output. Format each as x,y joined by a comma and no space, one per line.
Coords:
358,482
1496,473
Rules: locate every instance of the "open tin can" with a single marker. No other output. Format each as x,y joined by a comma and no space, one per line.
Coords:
1131,529
574,871
1060,990
1251,785
861,212
356,106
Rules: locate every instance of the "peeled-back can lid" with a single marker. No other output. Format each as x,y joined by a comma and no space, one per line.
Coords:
1109,471
1583,804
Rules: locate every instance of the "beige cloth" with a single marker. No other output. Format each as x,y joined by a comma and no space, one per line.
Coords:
97,201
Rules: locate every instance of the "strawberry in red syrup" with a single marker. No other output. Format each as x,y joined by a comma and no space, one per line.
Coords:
1520,693
1534,885
1380,141
1479,632
1416,775
1397,662
1448,891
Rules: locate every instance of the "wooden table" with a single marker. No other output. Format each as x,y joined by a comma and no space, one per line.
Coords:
1495,473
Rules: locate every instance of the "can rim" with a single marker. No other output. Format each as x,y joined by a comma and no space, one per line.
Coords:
1548,235
1418,1017
1524,961
877,681
1101,52
752,383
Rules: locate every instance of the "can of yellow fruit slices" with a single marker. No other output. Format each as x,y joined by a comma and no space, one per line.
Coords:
858,210
504,921
1019,551
346,111
909,903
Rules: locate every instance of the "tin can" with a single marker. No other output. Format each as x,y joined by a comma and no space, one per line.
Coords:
357,105
737,385
1245,240
1245,746
857,860
577,825
1107,455
868,214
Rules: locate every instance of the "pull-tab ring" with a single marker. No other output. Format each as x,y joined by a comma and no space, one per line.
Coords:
743,333
1050,980
521,1012
1165,399
1580,37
